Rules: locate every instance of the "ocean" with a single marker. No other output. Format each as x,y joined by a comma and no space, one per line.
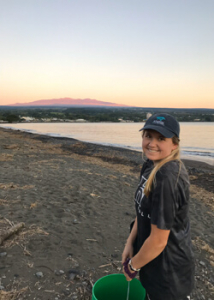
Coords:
197,139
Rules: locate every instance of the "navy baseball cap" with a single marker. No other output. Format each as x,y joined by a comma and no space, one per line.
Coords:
163,123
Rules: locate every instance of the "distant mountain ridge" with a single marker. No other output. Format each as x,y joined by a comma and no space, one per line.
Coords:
69,102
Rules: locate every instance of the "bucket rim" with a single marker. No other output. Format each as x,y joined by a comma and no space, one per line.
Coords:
109,275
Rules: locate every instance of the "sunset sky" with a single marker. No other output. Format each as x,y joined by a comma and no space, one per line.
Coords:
154,53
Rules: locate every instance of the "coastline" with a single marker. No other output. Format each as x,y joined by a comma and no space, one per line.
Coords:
76,200
184,157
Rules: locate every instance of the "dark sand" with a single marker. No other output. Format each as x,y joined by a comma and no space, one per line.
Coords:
76,200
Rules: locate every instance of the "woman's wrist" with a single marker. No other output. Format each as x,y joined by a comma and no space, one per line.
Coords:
128,270
132,268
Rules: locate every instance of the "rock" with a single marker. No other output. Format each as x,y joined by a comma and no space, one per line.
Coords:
2,254
75,221
59,272
1,287
65,199
202,263
39,275
66,292
72,274
115,255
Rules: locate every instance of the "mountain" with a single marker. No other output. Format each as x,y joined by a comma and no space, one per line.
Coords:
69,102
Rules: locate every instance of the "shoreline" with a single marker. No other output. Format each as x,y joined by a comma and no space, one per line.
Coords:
191,160
76,200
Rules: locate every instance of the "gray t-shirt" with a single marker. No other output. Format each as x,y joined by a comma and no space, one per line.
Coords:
170,275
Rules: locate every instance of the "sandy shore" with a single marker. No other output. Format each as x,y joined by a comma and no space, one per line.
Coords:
76,200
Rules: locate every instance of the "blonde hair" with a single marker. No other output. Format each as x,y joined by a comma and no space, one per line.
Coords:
175,154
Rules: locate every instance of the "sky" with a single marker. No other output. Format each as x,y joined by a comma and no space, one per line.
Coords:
154,53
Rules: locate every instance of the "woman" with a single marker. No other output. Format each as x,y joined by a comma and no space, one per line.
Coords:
161,230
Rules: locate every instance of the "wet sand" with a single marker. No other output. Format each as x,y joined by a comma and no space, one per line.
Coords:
76,200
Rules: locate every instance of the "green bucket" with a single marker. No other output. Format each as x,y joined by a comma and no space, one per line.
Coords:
115,287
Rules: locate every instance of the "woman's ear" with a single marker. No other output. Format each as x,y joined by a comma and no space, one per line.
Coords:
174,146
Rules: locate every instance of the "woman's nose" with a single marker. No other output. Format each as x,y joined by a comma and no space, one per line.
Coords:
152,142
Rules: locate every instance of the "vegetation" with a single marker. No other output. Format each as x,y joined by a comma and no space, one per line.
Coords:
99,114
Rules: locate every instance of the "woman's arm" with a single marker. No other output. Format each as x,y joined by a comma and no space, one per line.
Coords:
152,247
128,250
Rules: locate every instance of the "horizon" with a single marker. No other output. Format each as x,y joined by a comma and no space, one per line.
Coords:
98,106
143,54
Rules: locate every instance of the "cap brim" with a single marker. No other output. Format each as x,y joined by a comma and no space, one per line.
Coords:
161,130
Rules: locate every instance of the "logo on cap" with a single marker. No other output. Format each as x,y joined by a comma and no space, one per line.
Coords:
159,121
161,118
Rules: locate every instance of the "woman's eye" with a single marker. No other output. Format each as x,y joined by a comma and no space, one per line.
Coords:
161,138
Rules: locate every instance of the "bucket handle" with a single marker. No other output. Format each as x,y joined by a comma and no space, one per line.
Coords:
127,297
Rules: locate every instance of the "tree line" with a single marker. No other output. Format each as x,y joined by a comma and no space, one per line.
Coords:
100,114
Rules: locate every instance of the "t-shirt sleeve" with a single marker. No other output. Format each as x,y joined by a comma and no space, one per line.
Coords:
163,201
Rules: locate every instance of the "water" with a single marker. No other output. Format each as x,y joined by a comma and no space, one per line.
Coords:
197,139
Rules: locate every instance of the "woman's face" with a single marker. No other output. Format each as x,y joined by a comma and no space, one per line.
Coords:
155,146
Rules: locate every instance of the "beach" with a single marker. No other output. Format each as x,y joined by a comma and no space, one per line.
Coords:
76,201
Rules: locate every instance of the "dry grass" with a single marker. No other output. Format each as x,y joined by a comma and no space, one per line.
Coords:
12,146
193,177
6,157
13,294
98,161
202,245
39,147
207,248
6,202
33,146
22,237
112,177
26,233
203,195
48,161
11,185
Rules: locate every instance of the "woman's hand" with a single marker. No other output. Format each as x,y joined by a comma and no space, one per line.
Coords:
127,252
126,275
127,271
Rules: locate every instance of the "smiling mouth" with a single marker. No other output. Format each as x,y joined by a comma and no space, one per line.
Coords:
153,151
